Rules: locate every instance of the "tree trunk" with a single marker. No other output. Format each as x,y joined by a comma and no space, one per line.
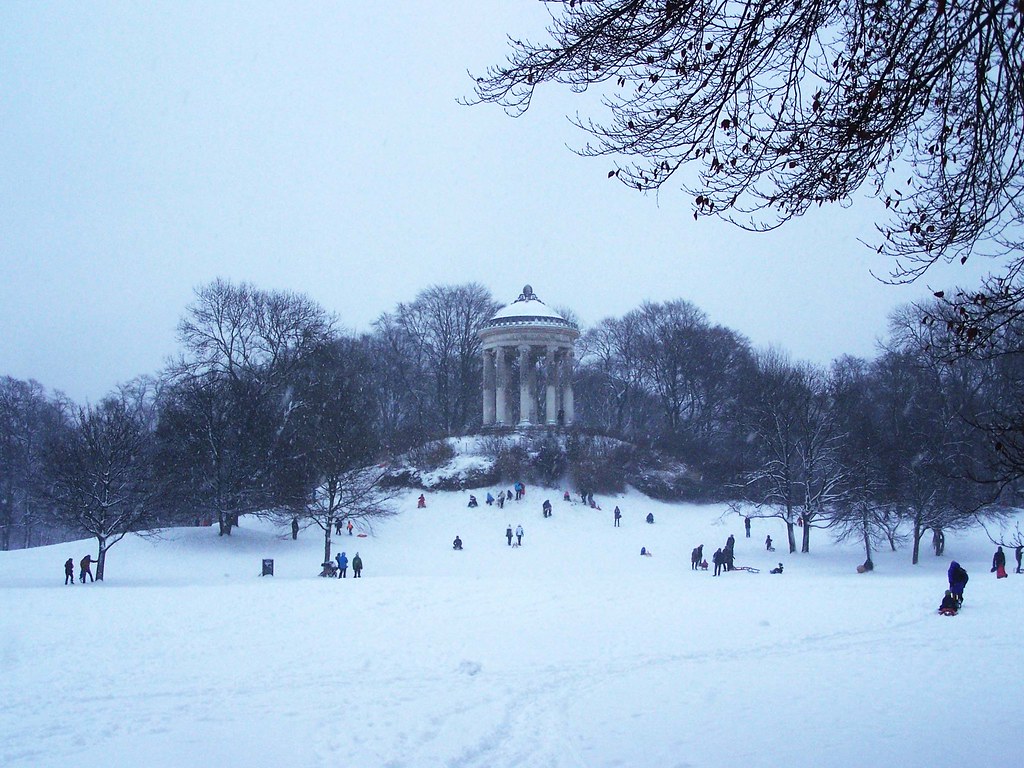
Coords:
792,537
101,560
918,533
327,539
805,539
867,538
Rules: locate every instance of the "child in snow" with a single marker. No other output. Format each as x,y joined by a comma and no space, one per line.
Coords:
949,606
776,570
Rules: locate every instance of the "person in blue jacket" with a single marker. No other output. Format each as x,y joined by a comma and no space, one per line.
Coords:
342,565
957,580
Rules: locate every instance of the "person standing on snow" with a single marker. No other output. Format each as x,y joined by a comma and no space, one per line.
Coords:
295,528
342,565
957,580
519,535
508,534
357,566
768,544
746,525
696,556
999,563
69,572
717,559
1017,554
349,527
618,516
85,567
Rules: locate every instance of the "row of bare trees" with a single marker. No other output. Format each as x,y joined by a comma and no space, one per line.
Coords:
269,409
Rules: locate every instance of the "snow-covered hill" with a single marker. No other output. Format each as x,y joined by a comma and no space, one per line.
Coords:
569,651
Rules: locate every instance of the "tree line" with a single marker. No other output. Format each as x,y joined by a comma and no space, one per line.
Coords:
269,408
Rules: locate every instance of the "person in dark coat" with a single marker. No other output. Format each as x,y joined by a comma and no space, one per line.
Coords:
696,556
85,566
949,605
746,525
1017,554
777,569
999,563
546,508
342,559
728,558
768,544
457,544
508,534
957,580
717,560
337,527
650,517
421,502
69,572
295,528
618,516
357,566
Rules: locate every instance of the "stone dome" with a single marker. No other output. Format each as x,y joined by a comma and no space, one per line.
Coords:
528,309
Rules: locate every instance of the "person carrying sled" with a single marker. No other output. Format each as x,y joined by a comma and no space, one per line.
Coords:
357,566
999,563
949,606
457,544
342,559
957,581
696,556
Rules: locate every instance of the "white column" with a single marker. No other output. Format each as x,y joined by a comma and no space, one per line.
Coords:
567,402
551,373
500,411
489,404
524,385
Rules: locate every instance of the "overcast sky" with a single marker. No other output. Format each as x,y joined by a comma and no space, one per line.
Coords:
149,148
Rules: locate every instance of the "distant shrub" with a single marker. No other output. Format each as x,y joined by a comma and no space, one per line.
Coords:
431,456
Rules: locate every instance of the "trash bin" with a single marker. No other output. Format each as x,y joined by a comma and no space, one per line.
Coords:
268,567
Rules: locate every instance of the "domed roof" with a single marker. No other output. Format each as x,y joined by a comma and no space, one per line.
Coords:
527,310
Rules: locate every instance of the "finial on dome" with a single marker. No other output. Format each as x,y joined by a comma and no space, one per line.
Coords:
527,294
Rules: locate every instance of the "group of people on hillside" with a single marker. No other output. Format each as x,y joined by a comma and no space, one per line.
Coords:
85,569
339,566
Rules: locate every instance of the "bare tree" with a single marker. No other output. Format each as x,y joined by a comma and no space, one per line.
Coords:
98,475
28,420
762,110
230,399
336,442
798,476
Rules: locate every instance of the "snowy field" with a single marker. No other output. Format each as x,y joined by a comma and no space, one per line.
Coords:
569,651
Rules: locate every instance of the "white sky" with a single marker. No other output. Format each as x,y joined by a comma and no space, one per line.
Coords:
148,148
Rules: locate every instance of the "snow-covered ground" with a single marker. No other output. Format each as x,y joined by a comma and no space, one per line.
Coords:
569,651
